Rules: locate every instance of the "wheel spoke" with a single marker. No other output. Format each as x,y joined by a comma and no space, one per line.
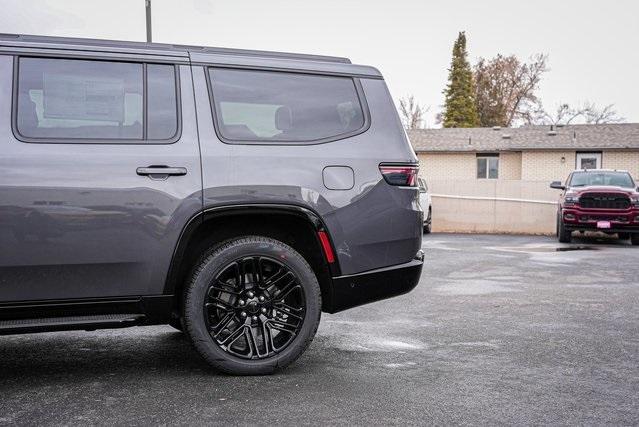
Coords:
269,346
297,313
221,301
223,287
234,336
219,306
287,289
250,345
223,324
243,274
294,315
285,307
276,278
283,326
257,275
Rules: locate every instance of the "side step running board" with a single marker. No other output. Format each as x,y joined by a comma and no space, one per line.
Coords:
88,323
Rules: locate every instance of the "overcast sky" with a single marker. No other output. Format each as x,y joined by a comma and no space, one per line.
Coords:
593,45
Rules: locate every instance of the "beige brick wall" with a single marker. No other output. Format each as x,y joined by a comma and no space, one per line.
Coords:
510,165
621,160
546,165
435,166
528,166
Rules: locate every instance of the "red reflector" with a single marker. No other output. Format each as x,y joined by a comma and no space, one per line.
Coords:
326,246
402,175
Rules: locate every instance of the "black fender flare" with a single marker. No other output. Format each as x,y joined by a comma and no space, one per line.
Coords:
251,208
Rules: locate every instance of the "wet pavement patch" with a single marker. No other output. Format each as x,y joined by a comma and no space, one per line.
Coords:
546,248
576,248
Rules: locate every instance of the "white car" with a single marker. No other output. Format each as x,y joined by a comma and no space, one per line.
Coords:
425,202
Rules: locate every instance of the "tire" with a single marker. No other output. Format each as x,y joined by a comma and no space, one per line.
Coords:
563,235
428,224
634,239
251,324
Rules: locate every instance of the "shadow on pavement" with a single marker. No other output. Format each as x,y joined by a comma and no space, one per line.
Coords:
79,354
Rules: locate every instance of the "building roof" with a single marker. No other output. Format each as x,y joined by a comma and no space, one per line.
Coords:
573,137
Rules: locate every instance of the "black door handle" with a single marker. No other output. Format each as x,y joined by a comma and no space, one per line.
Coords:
160,172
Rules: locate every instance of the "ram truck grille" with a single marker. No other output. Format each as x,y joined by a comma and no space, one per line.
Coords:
604,201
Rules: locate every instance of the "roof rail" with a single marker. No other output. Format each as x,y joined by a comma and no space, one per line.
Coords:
70,42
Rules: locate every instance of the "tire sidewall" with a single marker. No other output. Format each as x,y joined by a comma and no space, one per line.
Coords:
563,235
211,266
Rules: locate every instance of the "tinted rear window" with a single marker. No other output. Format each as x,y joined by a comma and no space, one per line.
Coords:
284,107
88,100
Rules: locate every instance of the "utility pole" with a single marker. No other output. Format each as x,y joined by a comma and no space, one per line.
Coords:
148,21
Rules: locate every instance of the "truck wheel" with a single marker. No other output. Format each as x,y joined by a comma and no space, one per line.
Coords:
634,239
563,235
623,236
429,219
252,305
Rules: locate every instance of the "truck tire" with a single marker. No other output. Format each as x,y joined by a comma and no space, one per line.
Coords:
563,235
252,306
634,239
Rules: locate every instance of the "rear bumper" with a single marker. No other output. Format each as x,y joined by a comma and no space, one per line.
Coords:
362,288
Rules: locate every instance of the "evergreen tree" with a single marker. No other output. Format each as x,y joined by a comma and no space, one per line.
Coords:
460,109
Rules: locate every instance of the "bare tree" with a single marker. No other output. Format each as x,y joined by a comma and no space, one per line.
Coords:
563,115
412,113
566,114
505,88
594,115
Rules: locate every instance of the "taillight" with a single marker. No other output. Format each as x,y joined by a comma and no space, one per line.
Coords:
326,246
403,175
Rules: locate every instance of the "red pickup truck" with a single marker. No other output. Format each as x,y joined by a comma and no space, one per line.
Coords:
598,200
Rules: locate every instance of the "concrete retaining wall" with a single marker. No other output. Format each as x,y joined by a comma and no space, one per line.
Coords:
494,206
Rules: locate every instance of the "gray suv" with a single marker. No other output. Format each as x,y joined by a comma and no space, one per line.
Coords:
232,194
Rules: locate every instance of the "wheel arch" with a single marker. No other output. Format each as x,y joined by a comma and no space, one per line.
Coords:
294,225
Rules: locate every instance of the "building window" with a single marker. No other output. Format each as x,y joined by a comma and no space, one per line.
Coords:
588,161
487,166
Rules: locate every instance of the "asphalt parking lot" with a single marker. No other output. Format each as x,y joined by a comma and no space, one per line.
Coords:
501,329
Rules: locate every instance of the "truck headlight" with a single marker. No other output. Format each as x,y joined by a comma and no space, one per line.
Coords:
571,199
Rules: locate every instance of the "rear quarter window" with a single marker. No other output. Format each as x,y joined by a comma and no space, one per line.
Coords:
284,107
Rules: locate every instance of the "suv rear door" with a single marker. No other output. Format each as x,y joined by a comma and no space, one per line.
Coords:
99,173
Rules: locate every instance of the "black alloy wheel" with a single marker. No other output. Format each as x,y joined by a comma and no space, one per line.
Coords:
253,305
